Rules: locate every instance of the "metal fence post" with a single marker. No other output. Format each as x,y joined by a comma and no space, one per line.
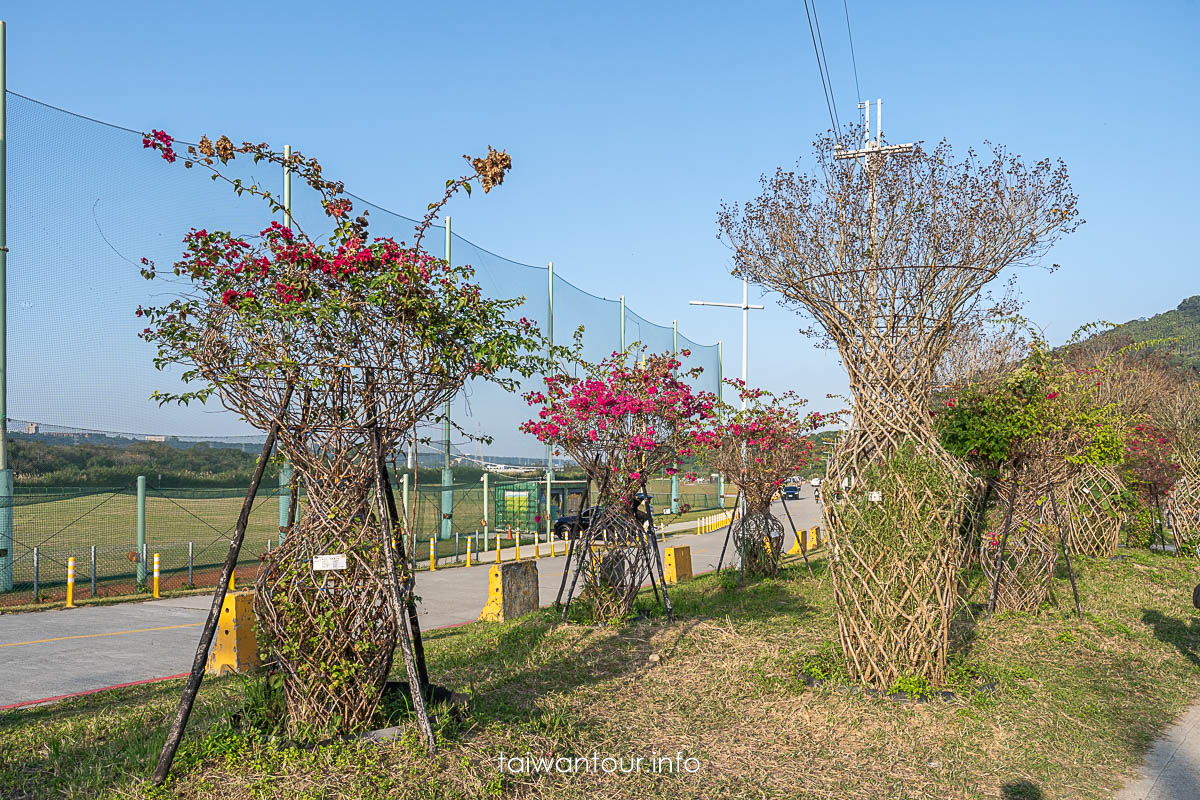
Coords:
549,490
36,564
622,323
285,497
191,583
404,491
720,369
141,531
485,510
93,570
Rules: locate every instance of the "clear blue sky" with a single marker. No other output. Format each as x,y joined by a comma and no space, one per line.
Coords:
629,123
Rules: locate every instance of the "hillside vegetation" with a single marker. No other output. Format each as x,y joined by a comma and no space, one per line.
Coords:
1181,323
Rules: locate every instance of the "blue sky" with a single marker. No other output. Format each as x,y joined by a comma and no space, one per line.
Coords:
629,123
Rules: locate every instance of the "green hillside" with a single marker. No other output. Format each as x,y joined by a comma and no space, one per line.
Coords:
1182,323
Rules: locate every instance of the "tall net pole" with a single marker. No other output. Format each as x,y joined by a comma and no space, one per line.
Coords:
6,476
549,526
285,469
446,527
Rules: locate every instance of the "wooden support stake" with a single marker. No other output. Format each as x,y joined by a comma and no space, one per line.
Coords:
192,687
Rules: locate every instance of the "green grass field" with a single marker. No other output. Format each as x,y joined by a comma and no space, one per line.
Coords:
107,519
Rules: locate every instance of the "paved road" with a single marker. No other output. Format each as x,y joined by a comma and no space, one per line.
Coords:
1171,770
50,653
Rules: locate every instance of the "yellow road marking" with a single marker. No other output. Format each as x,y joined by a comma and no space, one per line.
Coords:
112,633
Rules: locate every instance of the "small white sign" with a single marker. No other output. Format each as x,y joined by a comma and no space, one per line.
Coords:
329,562
875,497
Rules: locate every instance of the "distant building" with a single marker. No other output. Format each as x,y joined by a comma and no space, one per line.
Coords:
156,438
31,427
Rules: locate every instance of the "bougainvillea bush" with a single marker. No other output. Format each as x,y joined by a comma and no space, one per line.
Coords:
759,447
1030,433
622,420
344,342
1151,471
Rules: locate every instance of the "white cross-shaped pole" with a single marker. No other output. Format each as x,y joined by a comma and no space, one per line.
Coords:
745,306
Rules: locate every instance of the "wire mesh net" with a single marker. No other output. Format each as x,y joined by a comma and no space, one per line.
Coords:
85,204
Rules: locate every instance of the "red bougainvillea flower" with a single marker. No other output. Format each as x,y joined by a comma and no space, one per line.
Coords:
762,446
630,416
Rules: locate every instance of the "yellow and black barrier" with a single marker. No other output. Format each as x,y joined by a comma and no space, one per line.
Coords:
235,647
677,564
512,591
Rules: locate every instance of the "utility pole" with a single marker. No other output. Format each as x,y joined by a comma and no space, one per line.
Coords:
873,152
745,306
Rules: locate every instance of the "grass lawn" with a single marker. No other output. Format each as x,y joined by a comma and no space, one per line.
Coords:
1075,705
206,518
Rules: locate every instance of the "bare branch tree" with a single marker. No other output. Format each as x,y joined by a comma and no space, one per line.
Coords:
888,254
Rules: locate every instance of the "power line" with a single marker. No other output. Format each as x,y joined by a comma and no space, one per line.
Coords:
828,74
853,60
820,68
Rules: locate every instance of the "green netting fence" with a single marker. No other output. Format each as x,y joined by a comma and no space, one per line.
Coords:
85,204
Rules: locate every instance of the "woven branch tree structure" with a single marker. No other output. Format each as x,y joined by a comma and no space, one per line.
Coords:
1033,433
628,417
1018,555
758,448
343,348
888,255
1094,513
1181,418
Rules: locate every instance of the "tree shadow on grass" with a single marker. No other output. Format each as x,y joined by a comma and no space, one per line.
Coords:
1184,636
95,745
1021,790
510,667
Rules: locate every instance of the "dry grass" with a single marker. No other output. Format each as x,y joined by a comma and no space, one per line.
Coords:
1076,705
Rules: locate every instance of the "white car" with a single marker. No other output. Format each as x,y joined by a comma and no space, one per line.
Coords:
815,482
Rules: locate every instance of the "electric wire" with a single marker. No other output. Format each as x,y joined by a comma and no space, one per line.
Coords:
825,61
820,68
853,60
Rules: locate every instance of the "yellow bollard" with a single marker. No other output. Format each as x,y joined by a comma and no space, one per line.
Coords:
70,582
432,553
536,547
468,552
235,647
677,564
518,550
497,549
156,573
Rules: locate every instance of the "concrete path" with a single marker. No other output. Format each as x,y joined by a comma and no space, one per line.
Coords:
1171,770
47,654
